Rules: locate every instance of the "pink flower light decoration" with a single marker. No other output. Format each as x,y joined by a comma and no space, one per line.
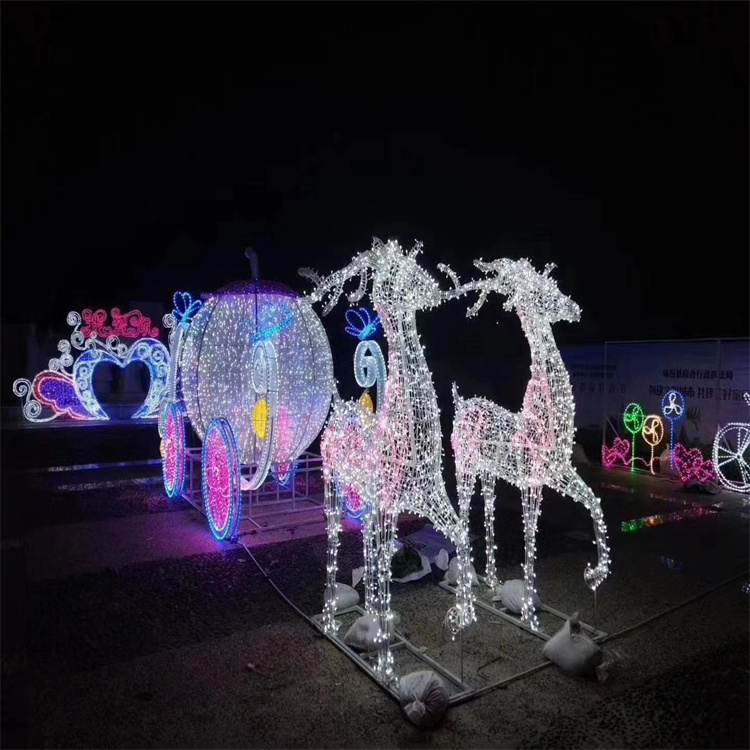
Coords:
692,467
619,451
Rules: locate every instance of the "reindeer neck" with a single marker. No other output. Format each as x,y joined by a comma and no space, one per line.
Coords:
404,348
548,369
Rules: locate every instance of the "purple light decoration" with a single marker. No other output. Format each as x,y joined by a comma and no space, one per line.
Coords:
55,390
673,409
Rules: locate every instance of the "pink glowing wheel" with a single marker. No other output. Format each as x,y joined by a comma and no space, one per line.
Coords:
221,478
173,449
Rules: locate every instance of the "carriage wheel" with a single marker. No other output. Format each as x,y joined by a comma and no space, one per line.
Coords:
173,450
732,456
221,478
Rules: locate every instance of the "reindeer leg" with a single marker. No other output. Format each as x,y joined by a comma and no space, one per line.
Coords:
464,595
531,500
488,487
572,485
385,547
333,526
371,559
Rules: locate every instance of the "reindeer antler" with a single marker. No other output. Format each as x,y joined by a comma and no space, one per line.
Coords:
333,285
482,286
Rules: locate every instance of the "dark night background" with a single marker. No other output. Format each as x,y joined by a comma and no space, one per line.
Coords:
146,144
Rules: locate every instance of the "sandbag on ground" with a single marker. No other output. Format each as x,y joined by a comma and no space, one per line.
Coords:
451,575
424,697
510,594
364,630
572,650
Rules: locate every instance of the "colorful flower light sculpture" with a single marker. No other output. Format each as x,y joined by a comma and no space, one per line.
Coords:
394,462
531,448
71,393
653,433
633,419
673,408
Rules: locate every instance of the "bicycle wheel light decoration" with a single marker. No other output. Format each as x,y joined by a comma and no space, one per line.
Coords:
173,450
653,433
632,419
673,409
731,454
221,479
70,392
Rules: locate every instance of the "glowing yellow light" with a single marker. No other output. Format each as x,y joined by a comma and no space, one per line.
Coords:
161,448
365,401
260,419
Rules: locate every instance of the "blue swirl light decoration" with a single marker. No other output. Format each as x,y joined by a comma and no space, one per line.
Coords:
361,323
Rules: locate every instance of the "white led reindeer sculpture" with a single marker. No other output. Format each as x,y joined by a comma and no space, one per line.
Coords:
532,448
393,461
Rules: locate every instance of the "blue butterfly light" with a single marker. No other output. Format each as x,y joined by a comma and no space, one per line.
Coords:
184,307
365,326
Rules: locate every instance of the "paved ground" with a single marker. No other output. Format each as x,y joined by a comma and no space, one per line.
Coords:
124,624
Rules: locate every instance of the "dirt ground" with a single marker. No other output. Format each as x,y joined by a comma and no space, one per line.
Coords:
124,624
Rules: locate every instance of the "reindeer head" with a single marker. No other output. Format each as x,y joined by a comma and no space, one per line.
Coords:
398,281
528,291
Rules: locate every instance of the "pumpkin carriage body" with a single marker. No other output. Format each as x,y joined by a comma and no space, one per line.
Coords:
255,375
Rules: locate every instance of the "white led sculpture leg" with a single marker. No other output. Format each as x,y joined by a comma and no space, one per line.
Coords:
393,461
333,528
488,494
532,448
369,535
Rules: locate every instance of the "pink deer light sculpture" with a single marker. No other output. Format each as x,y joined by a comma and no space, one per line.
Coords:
532,448
394,461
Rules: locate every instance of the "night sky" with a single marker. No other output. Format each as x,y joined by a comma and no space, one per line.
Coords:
146,144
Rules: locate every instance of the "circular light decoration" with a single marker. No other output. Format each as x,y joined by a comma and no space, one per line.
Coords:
653,433
673,408
256,354
221,479
173,451
632,419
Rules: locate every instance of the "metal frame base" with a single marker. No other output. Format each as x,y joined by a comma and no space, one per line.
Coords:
269,501
365,659
596,634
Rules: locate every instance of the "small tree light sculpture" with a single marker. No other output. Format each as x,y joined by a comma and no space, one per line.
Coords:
532,448
392,462
633,419
673,408
653,433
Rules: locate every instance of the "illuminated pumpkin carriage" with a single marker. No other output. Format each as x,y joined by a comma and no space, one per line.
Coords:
251,369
